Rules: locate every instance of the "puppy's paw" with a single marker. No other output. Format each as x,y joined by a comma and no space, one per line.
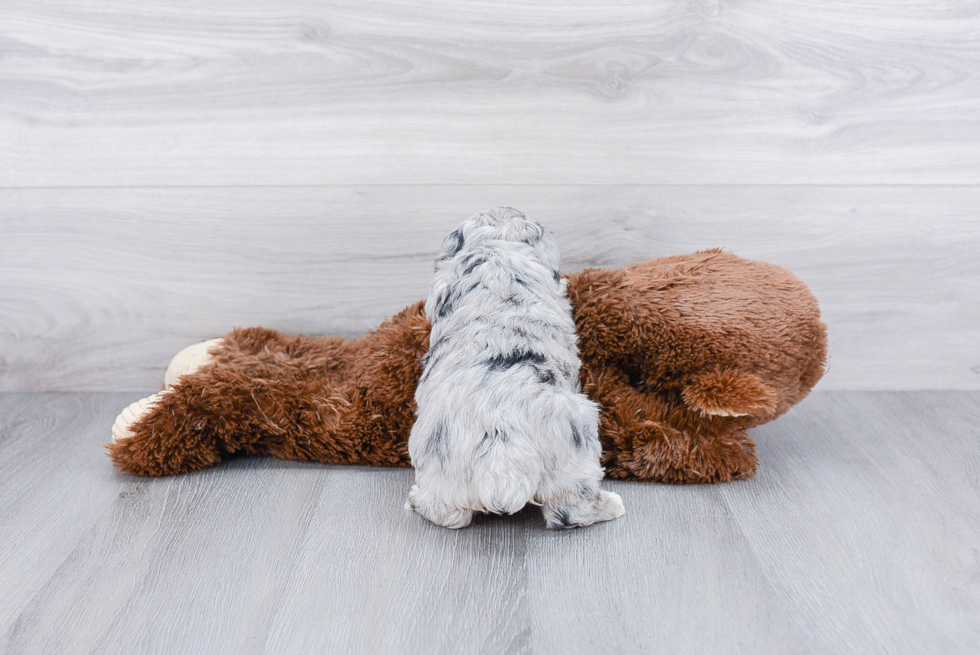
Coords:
409,504
447,516
579,511
608,506
453,518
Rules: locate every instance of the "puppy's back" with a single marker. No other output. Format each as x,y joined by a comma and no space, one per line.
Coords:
499,404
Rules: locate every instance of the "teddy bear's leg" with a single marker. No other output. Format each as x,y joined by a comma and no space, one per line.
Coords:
187,361
159,450
288,397
219,411
667,455
653,437
155,439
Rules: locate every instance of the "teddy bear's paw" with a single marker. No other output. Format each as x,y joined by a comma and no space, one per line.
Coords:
190,360
730,393
121,429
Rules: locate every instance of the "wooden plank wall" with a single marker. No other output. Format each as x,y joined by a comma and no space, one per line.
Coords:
169,170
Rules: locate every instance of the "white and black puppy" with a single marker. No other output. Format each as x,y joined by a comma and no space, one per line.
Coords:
501,418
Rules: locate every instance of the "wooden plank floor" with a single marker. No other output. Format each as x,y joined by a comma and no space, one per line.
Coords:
860,534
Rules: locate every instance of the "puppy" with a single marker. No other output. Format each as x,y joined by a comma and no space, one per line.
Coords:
502,421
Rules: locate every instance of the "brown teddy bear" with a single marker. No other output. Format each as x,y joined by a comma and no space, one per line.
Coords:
684,354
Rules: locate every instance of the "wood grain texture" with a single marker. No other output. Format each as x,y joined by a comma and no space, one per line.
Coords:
380,579
54,486
877,498
860,534
108,92
99,288
677,576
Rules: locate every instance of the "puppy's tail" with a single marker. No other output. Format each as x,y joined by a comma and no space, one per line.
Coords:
506,479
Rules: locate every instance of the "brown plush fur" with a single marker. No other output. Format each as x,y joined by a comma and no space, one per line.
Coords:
684,354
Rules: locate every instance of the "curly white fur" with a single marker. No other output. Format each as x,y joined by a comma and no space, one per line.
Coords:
501,418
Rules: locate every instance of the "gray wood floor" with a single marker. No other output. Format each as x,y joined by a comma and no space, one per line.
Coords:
860,534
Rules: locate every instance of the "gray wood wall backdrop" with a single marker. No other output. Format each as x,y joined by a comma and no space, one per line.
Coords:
171,169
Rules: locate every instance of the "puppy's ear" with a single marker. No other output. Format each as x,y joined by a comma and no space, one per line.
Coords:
442,299
451,245
534,232
547,249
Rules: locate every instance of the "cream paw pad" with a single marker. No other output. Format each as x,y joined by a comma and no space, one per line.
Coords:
187,361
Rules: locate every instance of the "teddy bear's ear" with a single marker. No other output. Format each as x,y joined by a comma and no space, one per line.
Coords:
730,393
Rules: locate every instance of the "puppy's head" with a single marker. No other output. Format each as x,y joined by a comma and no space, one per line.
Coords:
500,224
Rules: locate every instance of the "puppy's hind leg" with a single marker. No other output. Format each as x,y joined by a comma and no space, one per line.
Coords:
429,503
572,497
584,505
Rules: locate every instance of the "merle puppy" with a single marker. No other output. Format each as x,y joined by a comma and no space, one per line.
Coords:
502,421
